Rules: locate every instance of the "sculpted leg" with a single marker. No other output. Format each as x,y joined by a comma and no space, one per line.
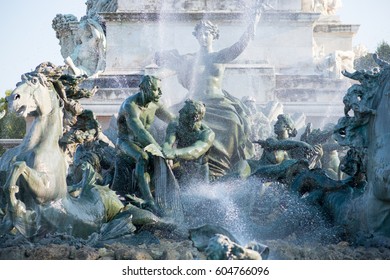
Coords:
143,179
17,216
17,170
141,159
16,206
37,182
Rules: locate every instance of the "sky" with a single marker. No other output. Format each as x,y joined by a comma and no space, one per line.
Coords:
28,39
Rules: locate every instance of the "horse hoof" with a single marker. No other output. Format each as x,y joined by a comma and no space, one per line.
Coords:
14,189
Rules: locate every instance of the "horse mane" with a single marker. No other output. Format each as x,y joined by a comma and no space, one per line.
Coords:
45,79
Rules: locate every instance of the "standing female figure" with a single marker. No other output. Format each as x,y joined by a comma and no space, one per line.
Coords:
201,74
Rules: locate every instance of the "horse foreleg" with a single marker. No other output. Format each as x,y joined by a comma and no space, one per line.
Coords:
37,182
14,175
16,206
25,221
15,210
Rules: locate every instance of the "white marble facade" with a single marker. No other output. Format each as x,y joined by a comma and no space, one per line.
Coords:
294,40
285,29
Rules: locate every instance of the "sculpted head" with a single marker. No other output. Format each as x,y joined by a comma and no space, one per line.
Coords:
192,113
91,34
285,126
150,87
31,97
250,102
205,32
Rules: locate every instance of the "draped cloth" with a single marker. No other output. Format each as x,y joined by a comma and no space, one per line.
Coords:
227,117
225,114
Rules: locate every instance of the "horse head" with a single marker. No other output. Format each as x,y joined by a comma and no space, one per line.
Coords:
32,96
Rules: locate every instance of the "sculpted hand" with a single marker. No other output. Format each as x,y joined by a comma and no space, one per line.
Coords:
309,149
307,131
318,150
258,8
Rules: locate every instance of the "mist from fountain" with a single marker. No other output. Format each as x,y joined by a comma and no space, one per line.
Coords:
250,210
257,211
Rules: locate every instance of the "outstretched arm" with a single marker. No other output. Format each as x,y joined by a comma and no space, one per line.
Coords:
229,54
357,75
273,144
163,114
169,59
197,149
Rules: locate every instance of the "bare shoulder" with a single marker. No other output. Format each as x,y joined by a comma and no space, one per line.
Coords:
207,132
129,106
206,128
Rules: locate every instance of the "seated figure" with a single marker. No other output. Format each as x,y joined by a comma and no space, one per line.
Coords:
133,161
188,141
276,163
334,197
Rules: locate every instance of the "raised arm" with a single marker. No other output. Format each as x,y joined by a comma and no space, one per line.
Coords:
230,53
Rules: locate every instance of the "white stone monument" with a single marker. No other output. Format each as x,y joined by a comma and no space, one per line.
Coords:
295,58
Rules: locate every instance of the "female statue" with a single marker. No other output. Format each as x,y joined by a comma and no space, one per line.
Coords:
276,162
201,74
88,57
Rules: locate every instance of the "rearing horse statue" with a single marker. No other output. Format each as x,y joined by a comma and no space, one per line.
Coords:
35,195
40,163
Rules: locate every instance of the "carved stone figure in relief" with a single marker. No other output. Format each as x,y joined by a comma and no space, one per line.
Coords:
88,56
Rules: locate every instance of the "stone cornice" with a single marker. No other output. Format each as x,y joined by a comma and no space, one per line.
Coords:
169,16
336,28
274,16
291,16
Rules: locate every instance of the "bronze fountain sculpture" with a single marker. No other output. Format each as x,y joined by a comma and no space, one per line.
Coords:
209,138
